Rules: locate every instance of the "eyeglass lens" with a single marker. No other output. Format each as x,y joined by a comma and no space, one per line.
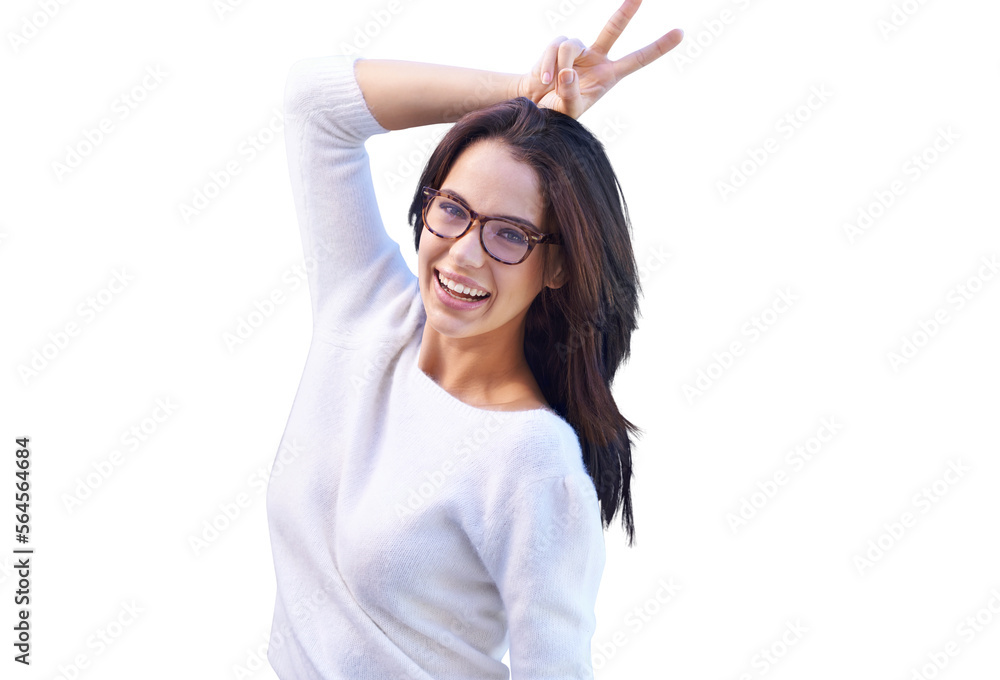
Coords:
503,240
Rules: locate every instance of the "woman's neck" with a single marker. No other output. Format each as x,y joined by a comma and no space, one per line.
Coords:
481,371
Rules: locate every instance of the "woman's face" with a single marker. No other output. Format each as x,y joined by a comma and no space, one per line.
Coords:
491,182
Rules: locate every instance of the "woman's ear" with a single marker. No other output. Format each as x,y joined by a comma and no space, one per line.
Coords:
559,275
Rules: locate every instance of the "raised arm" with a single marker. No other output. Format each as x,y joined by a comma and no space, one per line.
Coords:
404,94
357,275
568,77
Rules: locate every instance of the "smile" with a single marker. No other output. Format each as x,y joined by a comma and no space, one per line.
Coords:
454,295
462,291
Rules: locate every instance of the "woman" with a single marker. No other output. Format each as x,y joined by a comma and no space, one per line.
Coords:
454,451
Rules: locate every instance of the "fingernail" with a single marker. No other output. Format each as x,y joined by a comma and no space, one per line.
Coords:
566,77
546,78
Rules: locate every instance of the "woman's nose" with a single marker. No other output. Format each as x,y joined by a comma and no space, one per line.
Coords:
468,248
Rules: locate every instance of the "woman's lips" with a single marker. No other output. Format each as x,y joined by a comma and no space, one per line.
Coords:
449,300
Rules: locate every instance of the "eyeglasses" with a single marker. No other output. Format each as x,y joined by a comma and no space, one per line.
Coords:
505,241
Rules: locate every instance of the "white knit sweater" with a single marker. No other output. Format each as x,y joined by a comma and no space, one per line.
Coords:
414,536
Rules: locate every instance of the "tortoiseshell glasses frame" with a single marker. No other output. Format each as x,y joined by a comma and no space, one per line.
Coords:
530,235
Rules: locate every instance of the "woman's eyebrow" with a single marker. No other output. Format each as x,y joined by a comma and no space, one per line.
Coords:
523,221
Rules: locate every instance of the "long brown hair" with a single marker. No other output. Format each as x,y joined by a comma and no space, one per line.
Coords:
577,335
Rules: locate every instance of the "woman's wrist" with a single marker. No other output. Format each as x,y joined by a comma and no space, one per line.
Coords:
528,86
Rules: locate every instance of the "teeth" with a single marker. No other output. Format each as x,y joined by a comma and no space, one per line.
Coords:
459,288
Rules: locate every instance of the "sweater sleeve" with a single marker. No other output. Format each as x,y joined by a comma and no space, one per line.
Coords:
545,551
355,268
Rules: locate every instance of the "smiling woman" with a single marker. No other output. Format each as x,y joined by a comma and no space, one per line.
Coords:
458,465
487,335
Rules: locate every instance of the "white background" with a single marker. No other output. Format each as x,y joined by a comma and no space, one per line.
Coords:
674,131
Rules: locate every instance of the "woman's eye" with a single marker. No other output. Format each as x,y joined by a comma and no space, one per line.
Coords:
453,211
513,235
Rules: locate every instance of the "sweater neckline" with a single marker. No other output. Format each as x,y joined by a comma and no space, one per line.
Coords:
446,398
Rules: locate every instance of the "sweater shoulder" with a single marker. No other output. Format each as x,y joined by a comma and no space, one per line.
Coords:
544,445
527,451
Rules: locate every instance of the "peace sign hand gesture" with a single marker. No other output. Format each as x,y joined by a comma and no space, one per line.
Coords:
570,77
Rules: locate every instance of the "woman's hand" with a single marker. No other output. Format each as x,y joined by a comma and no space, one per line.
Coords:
570,77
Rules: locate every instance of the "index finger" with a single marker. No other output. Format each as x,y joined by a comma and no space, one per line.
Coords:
648,54
616,24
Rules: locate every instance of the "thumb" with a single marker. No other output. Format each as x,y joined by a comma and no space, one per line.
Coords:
568,89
